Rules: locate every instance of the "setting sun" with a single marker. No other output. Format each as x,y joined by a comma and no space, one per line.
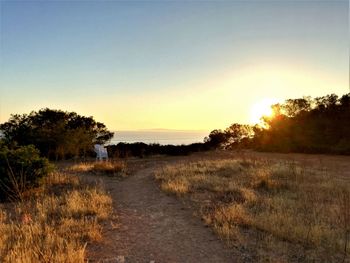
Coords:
262,108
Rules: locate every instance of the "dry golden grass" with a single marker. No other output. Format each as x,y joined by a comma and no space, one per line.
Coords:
56,225
113,168
278,211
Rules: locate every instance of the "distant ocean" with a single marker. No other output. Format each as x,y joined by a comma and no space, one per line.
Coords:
159,136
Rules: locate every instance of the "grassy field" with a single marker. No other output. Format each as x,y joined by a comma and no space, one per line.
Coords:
111,168
275,210
56,223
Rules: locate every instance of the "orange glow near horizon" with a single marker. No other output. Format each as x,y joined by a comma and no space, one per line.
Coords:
241,95
262,109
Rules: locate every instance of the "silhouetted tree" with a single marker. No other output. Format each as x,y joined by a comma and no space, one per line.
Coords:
294,107
319,125
216,139
238,135
57,134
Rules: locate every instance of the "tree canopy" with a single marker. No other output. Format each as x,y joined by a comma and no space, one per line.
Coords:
319,125
57,134
236,135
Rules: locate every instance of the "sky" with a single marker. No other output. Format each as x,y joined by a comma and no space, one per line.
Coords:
184,65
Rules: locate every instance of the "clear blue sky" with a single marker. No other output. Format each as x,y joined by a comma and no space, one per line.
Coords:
169,64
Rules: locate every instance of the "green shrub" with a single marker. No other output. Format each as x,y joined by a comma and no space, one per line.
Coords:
21,168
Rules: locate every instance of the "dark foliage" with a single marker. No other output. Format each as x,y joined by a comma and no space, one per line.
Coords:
235,136
139,149
216,139
20,169
57,134
320,125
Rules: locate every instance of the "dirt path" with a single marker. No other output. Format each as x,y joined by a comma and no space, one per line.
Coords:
154,227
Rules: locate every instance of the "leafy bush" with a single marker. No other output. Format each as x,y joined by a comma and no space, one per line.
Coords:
21,168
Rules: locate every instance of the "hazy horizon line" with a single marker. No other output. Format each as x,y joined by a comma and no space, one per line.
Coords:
159,130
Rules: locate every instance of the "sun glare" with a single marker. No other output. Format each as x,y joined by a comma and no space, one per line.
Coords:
262,108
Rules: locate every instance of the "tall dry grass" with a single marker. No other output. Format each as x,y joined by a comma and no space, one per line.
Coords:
112,168
277,211
56,224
